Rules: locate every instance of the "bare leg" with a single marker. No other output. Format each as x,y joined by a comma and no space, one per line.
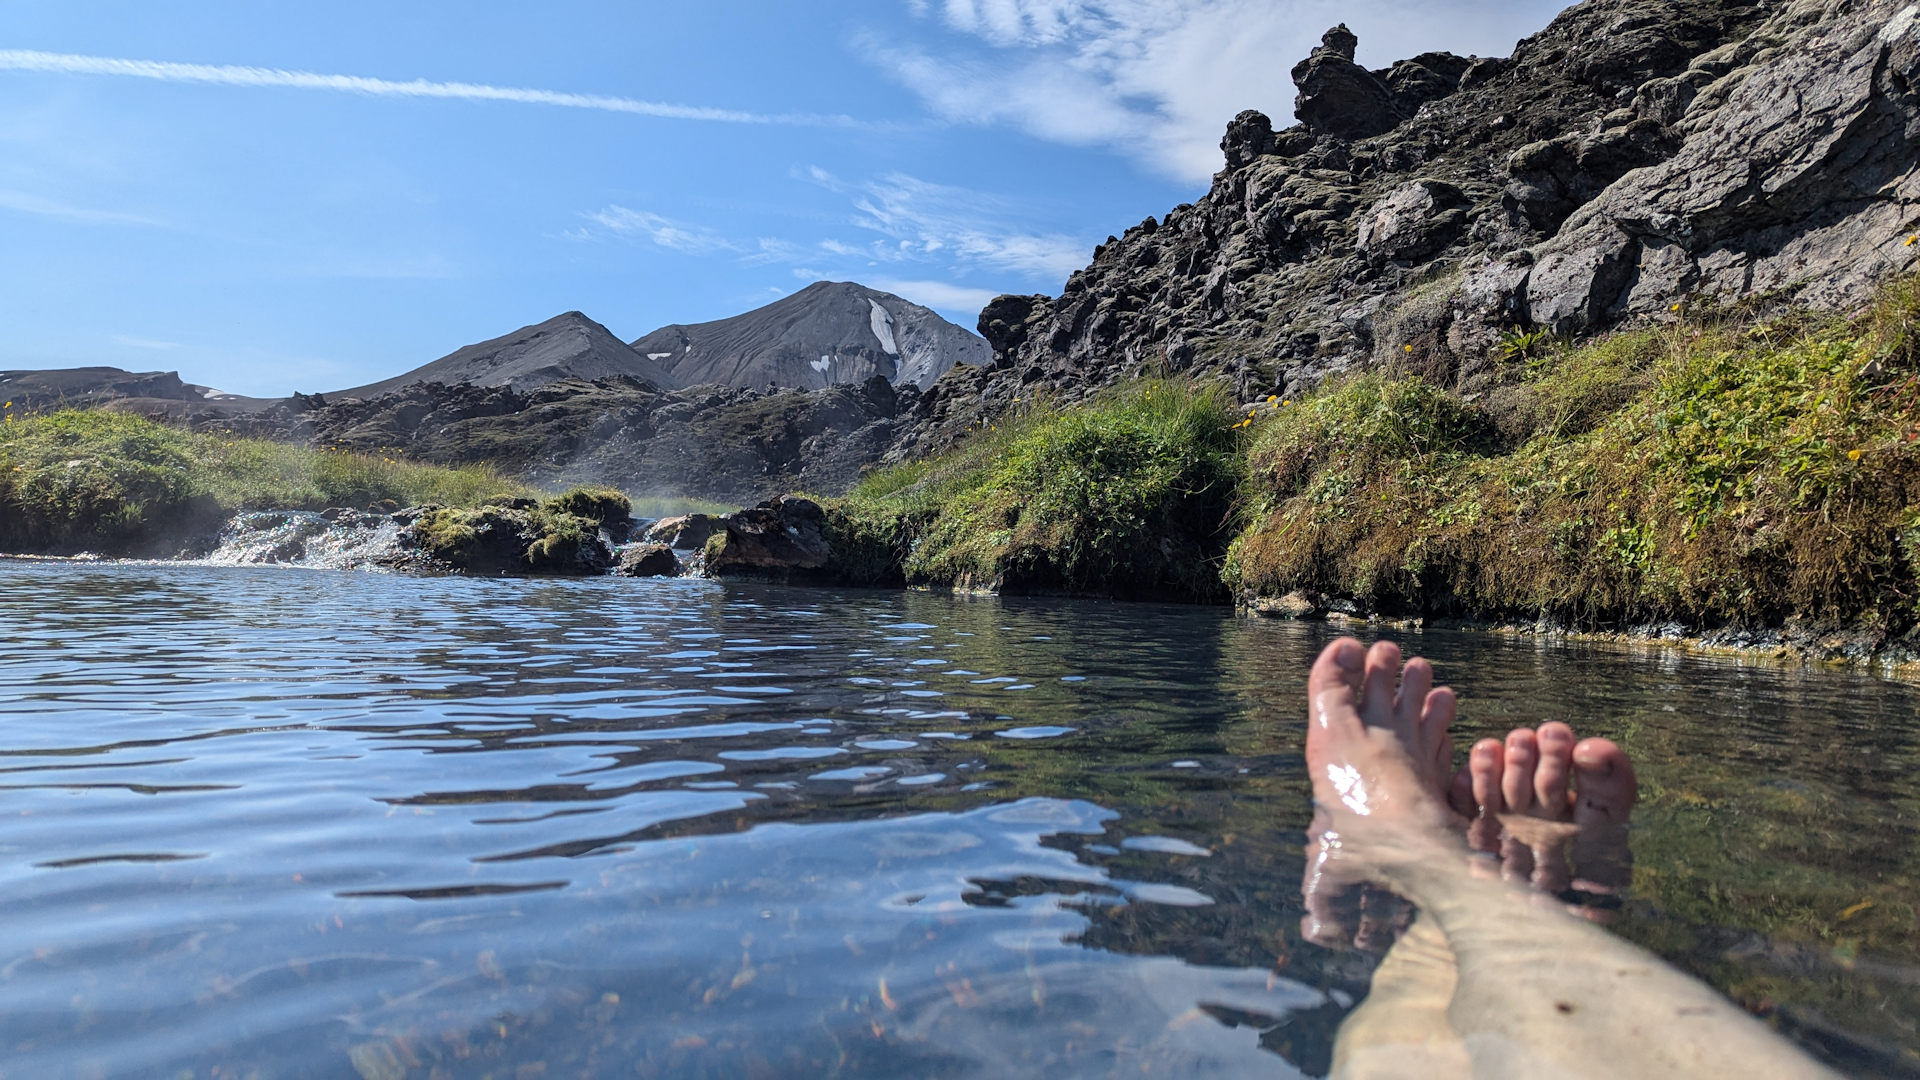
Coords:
1538,992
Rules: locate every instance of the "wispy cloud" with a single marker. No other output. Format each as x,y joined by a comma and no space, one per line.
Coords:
229,75
144,343
21,202
921,220
1158,79
661,231
942,295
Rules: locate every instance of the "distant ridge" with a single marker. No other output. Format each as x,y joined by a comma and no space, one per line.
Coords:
567,346
827,333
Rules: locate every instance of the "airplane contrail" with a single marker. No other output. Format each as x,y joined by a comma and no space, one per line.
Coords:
231,75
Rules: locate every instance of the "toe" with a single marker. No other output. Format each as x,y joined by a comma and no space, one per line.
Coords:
1486,765
1550,777
1605,787
1460,793
1516,786
1436,719
1333,688
1410,705
1376,695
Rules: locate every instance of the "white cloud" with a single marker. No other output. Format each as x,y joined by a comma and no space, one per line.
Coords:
662,231
921,220
229,75
21,202
1159,79
941,295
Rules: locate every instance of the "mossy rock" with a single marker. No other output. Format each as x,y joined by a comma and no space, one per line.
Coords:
599,505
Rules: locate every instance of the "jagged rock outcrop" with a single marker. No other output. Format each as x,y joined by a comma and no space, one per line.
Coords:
1633,155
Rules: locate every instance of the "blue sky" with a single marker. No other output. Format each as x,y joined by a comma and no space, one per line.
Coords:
270,197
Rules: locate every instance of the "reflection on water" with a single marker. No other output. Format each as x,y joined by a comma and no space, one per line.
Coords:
353,824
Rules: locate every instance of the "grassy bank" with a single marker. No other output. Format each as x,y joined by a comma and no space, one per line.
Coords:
1721,469
1130,495
78,479
1713,471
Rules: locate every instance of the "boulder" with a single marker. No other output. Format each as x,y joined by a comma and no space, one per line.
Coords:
781,538
648,560
1339,97
1417,220
687,532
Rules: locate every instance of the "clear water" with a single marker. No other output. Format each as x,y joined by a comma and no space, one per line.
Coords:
279,822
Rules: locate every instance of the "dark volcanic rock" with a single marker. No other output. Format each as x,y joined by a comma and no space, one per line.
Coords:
781,538
827,333
648,560
1632,155
1339,97
712,442
688,532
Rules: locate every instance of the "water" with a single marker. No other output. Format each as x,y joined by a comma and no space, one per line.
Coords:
278,822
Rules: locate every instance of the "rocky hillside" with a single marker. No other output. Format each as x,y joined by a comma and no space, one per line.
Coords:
831,332
1635,155
719,443
568,346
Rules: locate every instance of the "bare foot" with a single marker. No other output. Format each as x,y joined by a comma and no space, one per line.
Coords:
1379,761
1531,794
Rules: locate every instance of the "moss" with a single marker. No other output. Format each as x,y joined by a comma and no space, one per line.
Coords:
599,505
77,479
1128,495
1708,473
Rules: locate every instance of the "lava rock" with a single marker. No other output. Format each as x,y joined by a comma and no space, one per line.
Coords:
782,539
648,560
1339,97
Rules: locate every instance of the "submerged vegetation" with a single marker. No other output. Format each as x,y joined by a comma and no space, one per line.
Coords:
78,479
1128,495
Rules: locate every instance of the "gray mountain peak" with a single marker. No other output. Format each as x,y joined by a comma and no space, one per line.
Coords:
830,332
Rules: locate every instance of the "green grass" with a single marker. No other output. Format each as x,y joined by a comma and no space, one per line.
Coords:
90,479
1128,495
1710,472
656,507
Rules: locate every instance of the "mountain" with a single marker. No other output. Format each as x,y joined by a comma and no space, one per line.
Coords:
1633,156
88,387
831,332
568,346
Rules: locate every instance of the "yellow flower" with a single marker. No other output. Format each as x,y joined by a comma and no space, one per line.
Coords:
1675,307
1271,398
1911,240
1853,455
1409,348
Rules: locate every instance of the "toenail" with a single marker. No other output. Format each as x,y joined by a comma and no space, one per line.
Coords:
1350,655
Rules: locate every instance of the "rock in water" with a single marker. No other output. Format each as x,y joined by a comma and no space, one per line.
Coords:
648,560
781,538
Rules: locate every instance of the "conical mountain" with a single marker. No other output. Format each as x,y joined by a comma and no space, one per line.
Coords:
827,333
568,346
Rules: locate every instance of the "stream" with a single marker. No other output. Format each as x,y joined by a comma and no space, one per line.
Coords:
297,822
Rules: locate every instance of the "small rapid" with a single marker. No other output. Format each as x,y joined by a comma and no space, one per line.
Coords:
332,540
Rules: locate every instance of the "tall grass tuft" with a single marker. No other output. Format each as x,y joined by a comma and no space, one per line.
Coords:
1128,495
